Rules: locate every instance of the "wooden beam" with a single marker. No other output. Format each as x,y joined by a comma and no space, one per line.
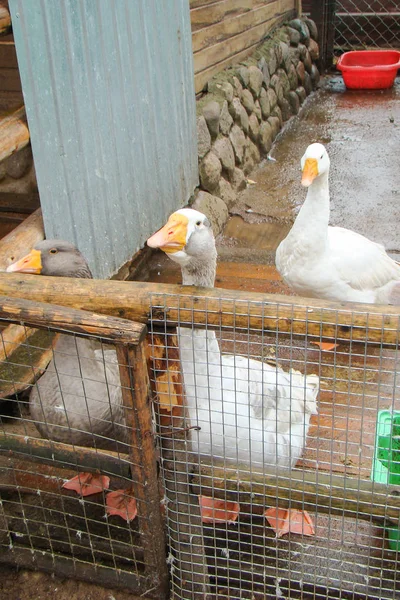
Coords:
299,7
14,133
218,308
62,319
329,493
5,20
71,457
22,239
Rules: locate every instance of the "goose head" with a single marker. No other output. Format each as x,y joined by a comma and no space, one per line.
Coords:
314,163
56,258
187,238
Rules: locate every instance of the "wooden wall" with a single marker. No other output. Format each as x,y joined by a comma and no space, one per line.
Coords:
227,31
10,83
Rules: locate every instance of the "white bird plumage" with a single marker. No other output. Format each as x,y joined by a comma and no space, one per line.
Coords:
333,263
248,411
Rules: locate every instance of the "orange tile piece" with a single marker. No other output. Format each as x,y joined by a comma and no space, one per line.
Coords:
122,504
325,346
86,484
284,520
218,511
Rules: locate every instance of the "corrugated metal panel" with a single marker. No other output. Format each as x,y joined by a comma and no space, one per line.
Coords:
109,94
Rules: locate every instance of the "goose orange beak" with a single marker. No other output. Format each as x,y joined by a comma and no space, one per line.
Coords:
310,171
172,237
31,263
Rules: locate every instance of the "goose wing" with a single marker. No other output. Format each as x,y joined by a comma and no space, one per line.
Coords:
363,264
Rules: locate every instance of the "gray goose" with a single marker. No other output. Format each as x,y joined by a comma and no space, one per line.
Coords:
78,399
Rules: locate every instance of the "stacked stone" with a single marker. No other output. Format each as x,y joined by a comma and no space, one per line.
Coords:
245,108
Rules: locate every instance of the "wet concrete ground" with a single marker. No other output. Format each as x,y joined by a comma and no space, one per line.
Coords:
361,130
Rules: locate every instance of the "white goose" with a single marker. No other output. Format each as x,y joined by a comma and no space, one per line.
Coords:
248,411
332,262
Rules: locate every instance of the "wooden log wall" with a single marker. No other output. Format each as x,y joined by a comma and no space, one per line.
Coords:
225,32
10,83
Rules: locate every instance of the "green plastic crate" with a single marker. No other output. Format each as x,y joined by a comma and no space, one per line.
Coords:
386,464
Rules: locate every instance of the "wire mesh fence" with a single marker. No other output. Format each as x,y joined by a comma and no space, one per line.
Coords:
278,426
78,480
363,24
290,433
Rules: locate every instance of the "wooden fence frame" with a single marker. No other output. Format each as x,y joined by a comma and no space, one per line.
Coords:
129,339
170,305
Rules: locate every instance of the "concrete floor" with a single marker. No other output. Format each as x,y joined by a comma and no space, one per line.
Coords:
361,130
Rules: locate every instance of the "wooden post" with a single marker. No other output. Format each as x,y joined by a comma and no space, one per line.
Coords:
138,416
186,534
323,13
299,8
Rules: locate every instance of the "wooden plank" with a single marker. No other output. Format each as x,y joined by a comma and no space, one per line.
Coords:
201,79
14,133
60,318
171,272
173,304
10,80
22,239
8,56
204,76
305,490
5,20
197,3
19,203
230,47
213,13
232,26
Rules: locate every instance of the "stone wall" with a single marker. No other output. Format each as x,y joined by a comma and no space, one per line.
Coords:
245,108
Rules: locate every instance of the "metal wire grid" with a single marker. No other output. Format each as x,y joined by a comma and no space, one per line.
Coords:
349,555
363,24
41,523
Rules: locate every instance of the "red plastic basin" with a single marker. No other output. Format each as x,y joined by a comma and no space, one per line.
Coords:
369,69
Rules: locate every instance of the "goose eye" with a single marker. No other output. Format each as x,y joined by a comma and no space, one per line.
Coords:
322,156
198,223
53,251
